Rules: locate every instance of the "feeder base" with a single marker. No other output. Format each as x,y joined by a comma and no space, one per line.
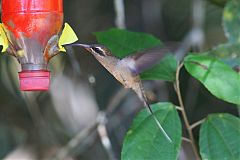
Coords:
36,80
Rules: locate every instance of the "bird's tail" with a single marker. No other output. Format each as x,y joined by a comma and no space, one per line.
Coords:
142,96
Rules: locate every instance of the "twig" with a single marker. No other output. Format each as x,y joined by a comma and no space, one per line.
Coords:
64,151
196,124
102,131
185,119
99,124
120,13
195,37
186,140
81,136
116,100
179,108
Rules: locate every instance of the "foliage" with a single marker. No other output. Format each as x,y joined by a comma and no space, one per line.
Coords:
231,19
214,74
123,43
219,2
228,53
164,70
219,135
143,138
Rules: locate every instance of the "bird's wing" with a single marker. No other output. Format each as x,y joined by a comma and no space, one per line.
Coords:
148,58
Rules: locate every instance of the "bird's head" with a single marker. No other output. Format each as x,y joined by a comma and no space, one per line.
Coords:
96,49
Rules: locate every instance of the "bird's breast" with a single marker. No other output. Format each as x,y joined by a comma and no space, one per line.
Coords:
121,71
124,75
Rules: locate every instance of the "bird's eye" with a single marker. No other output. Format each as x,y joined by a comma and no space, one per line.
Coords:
99,51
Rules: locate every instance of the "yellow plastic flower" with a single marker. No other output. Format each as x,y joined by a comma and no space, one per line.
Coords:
3,38
68,36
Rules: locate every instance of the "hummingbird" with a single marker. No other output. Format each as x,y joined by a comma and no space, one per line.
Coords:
127,70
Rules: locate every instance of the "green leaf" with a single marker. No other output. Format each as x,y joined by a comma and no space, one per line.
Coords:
228,53
231,21
123,43
220,79
232,62
220,3
144,140
226,50
164,70
220,137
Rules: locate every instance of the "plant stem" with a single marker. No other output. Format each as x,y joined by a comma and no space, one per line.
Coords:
63,152
185,119
197,123
178,108
186,140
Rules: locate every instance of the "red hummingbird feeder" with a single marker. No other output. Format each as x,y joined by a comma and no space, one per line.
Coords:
30,24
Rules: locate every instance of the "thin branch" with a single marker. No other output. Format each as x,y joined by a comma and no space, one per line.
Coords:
185,119
179,108
74,142
120,13
177,86
99,124
186,140
195,37
102,131
81,136
196,124
116,99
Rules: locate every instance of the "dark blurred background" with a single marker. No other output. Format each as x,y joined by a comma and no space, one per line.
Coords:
44,125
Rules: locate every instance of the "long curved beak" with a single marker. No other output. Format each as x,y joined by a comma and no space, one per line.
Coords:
85,46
